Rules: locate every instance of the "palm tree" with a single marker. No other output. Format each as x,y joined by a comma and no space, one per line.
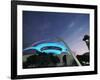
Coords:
87,40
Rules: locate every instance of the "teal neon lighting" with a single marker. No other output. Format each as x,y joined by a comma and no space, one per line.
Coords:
49,44
52,51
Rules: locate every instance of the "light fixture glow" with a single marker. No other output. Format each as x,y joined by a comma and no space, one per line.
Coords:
49,44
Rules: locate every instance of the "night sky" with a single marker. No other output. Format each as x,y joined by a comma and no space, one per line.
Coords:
71,27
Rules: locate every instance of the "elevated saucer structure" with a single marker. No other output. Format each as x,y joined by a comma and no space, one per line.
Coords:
49,47
57,47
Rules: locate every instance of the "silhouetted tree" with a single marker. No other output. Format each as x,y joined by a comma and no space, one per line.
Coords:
54,59
32,60
84,59
41,60
87,40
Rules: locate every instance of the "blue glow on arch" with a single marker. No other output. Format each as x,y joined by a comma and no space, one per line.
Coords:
54,44
38,47
52,51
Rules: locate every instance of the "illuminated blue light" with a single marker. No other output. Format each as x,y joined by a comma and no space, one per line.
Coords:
52,44
52,51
